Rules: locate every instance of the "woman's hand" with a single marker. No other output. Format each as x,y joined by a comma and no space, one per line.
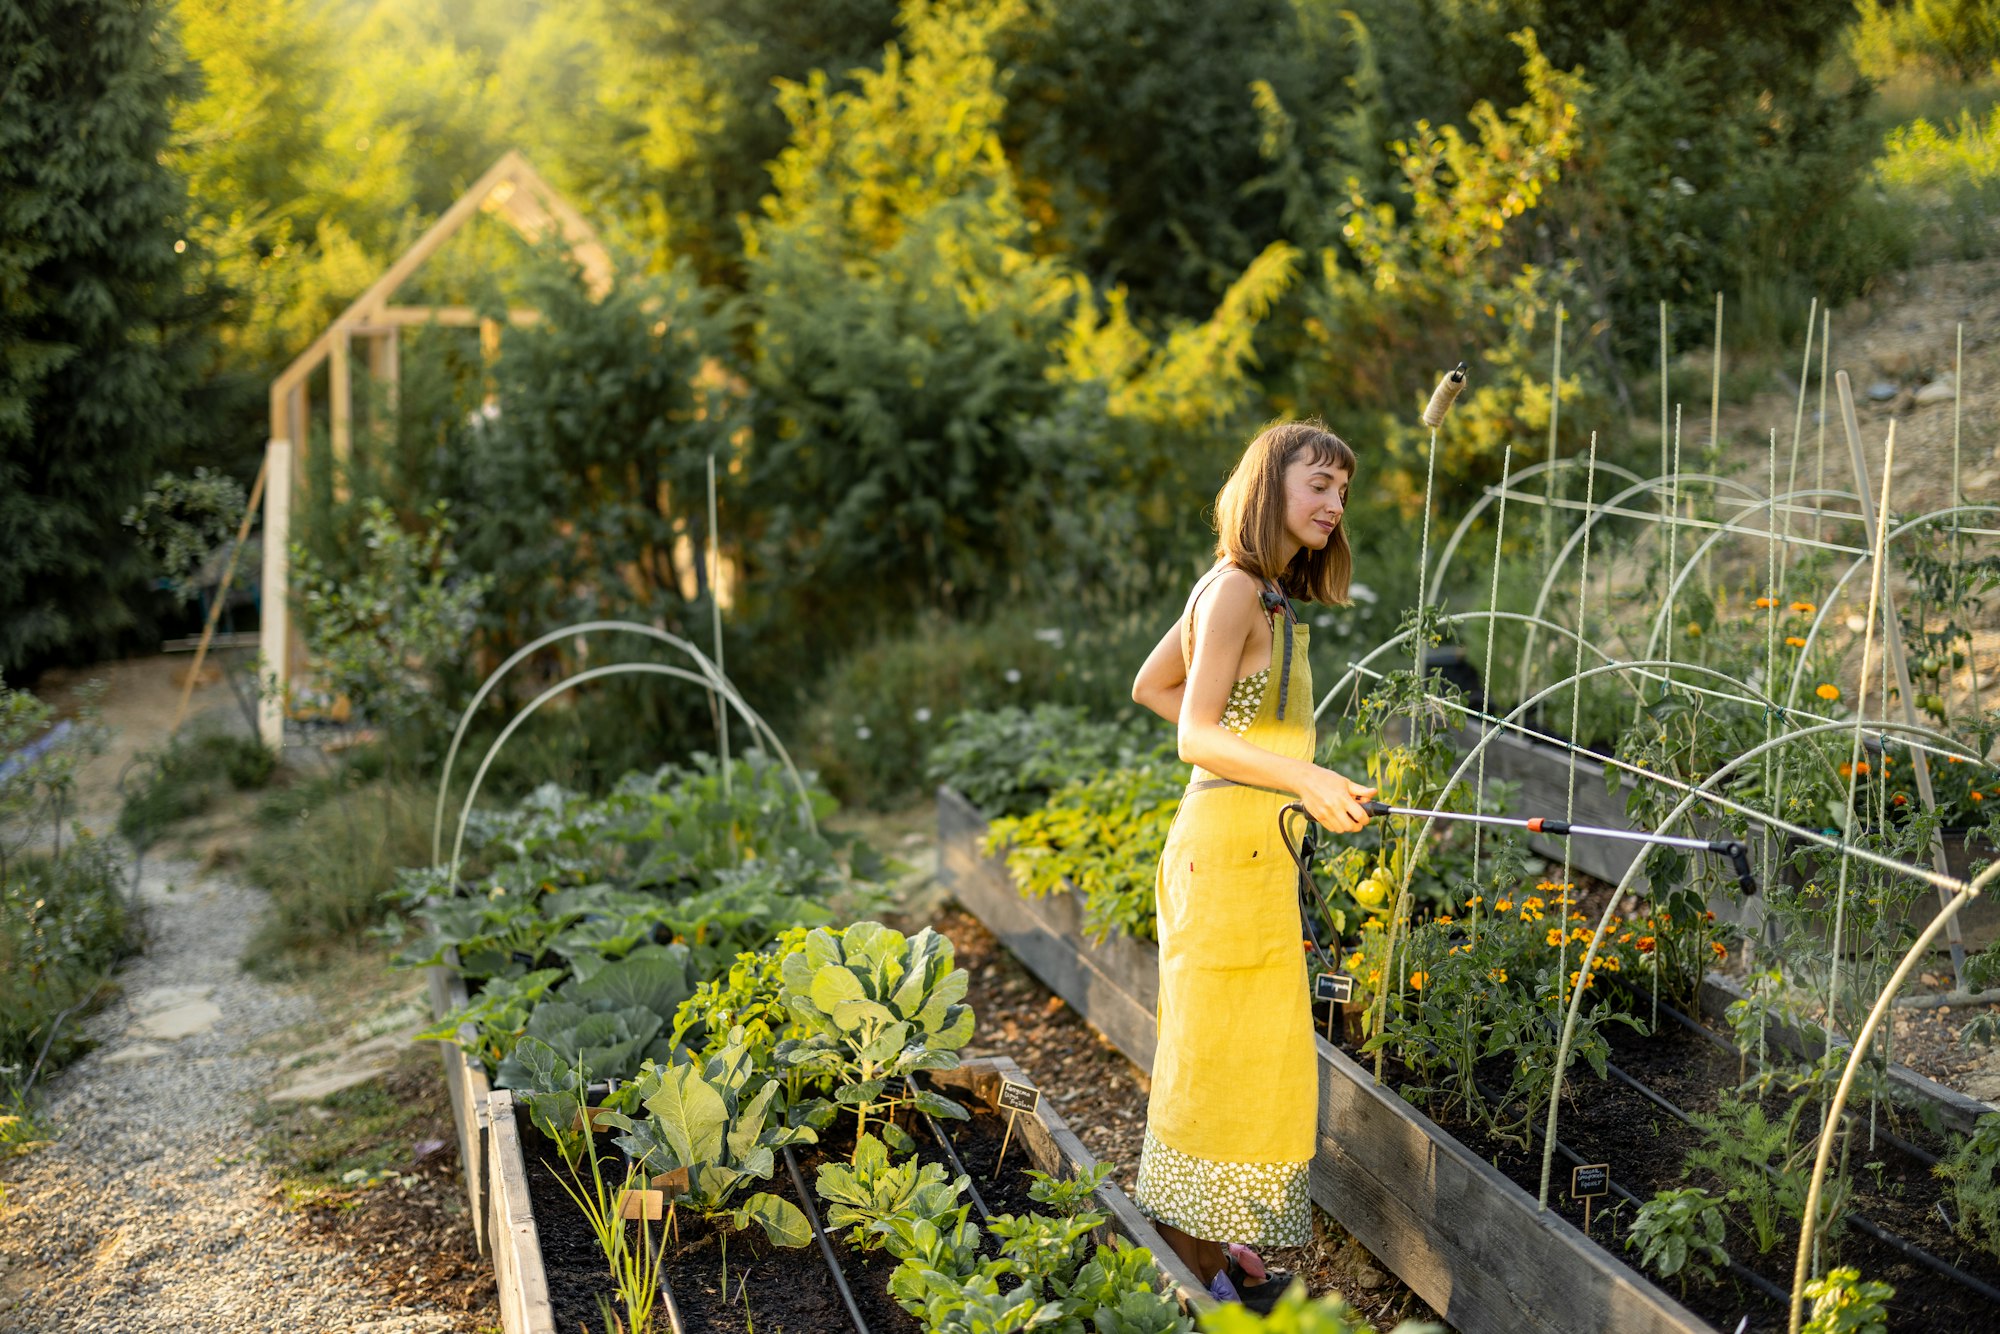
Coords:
1335,800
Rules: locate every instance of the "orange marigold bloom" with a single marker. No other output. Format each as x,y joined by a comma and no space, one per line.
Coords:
1610,962
1827,690
1899,800
1417,981
1645,944
1504,905
1795,641
1766,602
1444,918
1805,608
1975,796
1720,952
1554,937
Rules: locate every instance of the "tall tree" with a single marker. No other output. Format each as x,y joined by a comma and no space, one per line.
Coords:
95,345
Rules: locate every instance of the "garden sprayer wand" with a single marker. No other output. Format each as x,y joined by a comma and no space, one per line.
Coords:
1739,855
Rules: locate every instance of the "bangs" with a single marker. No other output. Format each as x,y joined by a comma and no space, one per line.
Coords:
1323,449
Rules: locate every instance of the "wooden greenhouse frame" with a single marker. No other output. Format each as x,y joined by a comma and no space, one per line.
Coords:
512,190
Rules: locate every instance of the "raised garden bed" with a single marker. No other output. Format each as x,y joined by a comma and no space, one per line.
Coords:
467,1084
1440,1213
551,1271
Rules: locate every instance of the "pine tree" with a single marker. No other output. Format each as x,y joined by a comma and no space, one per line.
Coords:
95,345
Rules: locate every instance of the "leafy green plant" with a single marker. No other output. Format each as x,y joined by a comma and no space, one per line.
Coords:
1101,835
1298,1313
63,926
1844,1303
936,1252
877,1007
874,1189
183,521
749,998
719,1120
1678,1233
635,1270
1756,1161
1007,761
1973,1169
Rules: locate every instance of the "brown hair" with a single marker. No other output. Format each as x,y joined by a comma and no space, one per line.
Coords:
1250,512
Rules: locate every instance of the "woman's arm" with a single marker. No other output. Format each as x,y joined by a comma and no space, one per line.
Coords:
1162,678
1224,620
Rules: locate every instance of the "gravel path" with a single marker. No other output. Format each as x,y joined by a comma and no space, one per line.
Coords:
152,1211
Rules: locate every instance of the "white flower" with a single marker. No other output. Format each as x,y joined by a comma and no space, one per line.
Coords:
1053,636
1363,593
862,733
922,715
1013,676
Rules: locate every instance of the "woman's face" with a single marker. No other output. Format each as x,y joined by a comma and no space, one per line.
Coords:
1315,498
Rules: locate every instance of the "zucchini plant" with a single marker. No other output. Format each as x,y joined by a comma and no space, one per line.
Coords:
876,1007
720,1121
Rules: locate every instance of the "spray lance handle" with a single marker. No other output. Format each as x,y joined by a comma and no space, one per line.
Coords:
1739,857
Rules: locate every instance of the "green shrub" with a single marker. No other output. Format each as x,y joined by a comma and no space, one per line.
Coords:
329,853
1007,761
63,923
186,777
1974,1173
1949,175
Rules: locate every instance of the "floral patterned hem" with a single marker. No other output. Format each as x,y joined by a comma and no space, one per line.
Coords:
1245,698
1257,1204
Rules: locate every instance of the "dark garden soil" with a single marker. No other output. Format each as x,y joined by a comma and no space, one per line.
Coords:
1646,1145
1103,1098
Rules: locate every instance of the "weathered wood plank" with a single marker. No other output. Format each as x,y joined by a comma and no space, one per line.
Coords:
466,1082
517,1247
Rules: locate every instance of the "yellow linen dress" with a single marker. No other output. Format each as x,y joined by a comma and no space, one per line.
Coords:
1233,1112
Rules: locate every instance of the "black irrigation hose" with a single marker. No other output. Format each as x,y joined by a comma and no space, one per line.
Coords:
1921,1154
1856,1217
1746,1274
667,1295
937,1132
825,1246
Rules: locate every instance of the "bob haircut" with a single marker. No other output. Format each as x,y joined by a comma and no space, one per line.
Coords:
1250,512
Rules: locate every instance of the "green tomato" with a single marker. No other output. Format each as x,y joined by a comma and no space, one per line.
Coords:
1371,891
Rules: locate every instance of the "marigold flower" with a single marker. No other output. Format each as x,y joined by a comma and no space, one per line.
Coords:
1975,796
1694,630
1899,800
1354,962
1498,974
1444,918
1804,608
1417,981
1504,905
1795,641
1708,917
1827,690
1531,902
1849,770
1554,937
1580,936
1610,962
1763,603
1625,939
1716,947
1474,901
1645,944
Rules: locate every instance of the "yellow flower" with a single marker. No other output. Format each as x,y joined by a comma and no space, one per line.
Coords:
1417,981
1555,936
1795,641
1610,961
1531,902
1498,974
1694,630
1719,950
1804,608
1504,905
1827,691
1444,918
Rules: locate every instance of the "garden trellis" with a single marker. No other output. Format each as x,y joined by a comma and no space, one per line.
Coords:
1756,537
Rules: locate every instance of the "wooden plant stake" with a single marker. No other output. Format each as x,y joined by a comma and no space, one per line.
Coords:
1589,1182
655,1202
1015,1098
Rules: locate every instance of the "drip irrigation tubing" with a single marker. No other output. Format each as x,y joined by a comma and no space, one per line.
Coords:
944,1141
825,1246
1860,1220
667,1298
1575,1159
1916,1151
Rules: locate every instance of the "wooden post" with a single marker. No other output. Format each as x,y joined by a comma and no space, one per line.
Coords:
221,593
489,352
274,635
385,373
340,407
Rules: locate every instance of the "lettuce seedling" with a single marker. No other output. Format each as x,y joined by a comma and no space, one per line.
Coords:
719,1121
874,1190
876,1007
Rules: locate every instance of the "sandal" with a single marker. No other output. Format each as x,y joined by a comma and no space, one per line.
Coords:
1250,1282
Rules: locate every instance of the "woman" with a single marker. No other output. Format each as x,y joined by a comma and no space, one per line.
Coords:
1230,1124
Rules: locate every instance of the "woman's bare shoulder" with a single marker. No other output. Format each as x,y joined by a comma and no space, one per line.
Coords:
1233,593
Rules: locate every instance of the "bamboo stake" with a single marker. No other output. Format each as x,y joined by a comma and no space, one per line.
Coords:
1892,643
1575,724
715,611
221,594
1958,498
1825,350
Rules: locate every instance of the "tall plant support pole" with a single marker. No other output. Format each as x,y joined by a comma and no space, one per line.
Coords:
1958,499
1663,389
1555,415
275,626
340,406
1825,352
221,594
1575,728
1892,642
715,610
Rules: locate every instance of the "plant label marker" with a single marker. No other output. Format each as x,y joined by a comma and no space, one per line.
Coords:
650,1205
1589,1182
1336,989
1015,1099
671,1184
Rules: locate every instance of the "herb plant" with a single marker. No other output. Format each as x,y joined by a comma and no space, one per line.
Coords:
1973,1170
1678,1233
